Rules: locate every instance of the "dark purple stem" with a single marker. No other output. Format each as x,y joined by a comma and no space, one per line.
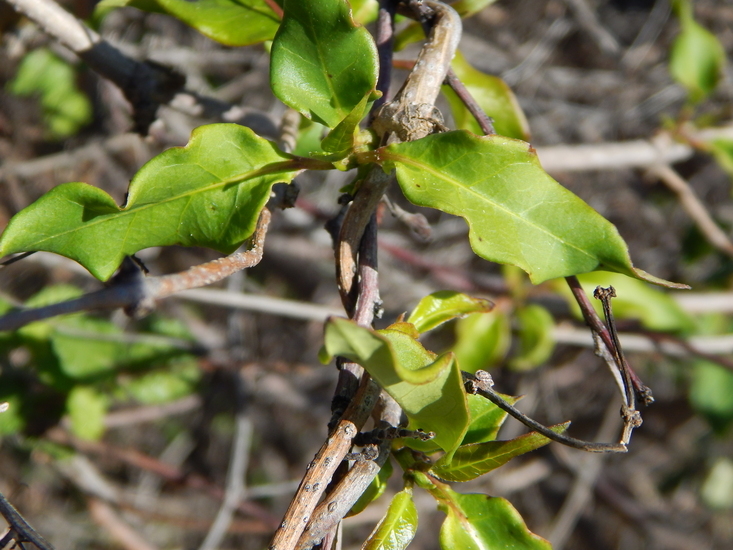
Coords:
484,120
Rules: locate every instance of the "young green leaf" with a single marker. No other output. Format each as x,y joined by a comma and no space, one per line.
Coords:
472,461
493,96
323,64
486,419
536,343
342,138
428,388
481,521
482,340
164,384
398,526
697,58
65,108
86,408
516,213
711,393
444,305
230,22
209,193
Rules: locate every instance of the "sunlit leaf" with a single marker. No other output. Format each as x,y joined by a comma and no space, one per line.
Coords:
209,193
230,22
65,108
711,393
536,342
516,213
482,340
493,95
428,388
634,300
444,305
323,64
486,419
165,384
472,461
86,408
342,139
697,58
398,526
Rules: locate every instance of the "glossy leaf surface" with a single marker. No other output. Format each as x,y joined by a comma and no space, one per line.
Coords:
428,388
209,193
516,213
472,461
697,58
323,64
398,526
493,96
230,22
439,307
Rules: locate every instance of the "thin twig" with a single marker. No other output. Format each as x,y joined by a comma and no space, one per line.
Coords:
694,207
22,531
104,515
484,120
481,384
138,294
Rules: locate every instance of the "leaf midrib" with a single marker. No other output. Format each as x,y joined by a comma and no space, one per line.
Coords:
266,170
442,175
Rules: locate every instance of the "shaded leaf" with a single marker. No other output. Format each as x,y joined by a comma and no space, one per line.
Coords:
444,305
493,95
472,461
697,57
482,340
86,408
398,526
516,213
230,22
536,342
467,8
711,393
634,300
209,193
428,388
323,64
486,418
163,385
65,108
342,139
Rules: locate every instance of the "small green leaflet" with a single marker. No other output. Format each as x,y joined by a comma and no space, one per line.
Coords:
472,461
427,387
398,526
536,342
230,22
323,64
86,408
444,305
209,193
697,58
482,340
516,213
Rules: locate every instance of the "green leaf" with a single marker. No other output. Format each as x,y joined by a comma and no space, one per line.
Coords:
86,408
230,22
342,139
165,384
493,96
711,393
323,64
444,305
11,420
482,340
209,193
697,58
428,388
364,11
472,461
398,526
467,8
374,491
516,213
536,342
634,300
65,108
722,150
484,522
486,419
